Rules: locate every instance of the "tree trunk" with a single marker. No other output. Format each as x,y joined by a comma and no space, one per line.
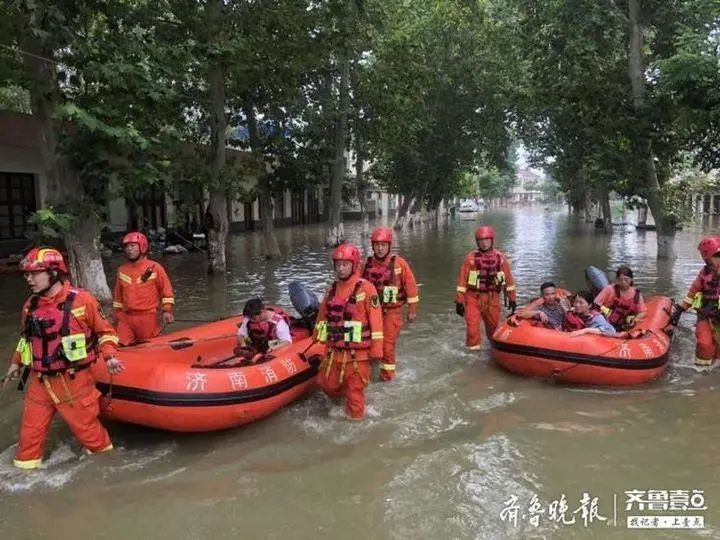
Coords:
335,232
664,222
606,211
401,215
642,215
272,249
267,208
216,214
361,185
63,182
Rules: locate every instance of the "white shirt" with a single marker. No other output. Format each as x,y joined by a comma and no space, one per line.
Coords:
281,328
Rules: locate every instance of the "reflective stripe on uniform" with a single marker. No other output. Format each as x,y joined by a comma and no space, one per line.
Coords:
117,305
387,367
510,288
398,270
108,338
687,300
169,300
413,300
360,297
461,289
27,464
124,277
376,335
78,312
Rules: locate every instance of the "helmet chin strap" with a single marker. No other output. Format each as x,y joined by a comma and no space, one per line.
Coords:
54,278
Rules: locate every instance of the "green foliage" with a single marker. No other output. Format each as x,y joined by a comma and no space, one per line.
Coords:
494,183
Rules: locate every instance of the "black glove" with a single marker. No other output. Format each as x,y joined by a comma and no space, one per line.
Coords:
460,308
675,317
512,304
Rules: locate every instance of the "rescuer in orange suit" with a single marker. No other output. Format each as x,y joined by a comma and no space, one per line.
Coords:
484,273
349,321
395,283
141,285
62,328
704,297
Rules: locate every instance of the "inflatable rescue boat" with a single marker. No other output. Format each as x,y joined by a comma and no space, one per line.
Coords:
191,380
536,351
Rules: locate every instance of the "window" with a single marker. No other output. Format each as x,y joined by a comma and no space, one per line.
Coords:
17,202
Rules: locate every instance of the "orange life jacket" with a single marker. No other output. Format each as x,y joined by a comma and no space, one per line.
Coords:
345,327
383,276
45,328
622,308
710,290
261,333
487,265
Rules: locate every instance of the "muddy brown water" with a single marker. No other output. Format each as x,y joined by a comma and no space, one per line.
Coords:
445,446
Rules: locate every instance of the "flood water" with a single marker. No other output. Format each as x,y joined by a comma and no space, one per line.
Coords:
445,445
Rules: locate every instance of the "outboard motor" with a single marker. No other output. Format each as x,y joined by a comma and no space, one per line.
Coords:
596,279
305,303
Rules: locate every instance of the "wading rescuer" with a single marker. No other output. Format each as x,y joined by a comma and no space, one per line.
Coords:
704,297
62,329
395,284
484,274
140,287
350,323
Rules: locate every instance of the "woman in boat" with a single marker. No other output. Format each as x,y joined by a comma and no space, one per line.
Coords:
583,320
621,303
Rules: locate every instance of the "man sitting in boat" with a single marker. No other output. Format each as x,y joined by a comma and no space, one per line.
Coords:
551,313
262,330
584,320
621,303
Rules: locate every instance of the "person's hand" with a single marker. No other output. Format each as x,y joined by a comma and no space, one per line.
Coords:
542,317
168,317
114,366
460,308
512,304
13,372
675,317
411,315
576,333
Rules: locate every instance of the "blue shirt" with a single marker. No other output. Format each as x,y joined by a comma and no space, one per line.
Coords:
602,324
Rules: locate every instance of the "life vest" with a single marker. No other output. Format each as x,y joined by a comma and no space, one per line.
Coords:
487,275
573,321
383,277
707,301
344,328
54,339
261,333
621,313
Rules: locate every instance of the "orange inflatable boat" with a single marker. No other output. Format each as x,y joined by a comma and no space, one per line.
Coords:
181,381
537,351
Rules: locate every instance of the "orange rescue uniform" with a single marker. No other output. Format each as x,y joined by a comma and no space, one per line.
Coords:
140,287
70,392
707,330
345,372
481,297
398,288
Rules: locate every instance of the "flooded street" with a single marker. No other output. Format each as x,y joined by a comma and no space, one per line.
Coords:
446,444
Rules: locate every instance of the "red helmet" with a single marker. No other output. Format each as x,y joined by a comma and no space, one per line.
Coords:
39,259
347,252
709,246
136,238
485,231
382,234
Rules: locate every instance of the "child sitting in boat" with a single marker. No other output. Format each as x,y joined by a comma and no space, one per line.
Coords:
583,320
621,303
551,313
262,330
